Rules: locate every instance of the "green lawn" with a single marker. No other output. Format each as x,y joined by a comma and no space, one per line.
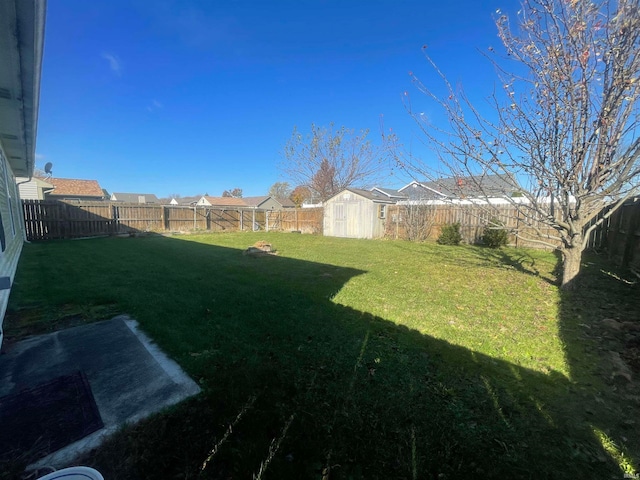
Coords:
355,359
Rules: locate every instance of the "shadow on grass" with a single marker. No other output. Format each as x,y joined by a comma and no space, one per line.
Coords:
520,260
300,387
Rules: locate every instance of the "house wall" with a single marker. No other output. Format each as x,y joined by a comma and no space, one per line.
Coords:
29,190
12,230
270,204
352,216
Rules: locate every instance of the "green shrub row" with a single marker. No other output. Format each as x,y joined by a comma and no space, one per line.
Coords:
494,234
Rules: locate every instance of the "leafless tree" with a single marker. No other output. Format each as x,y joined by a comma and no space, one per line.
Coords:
280,191
418,220
234,193
564,123
328,160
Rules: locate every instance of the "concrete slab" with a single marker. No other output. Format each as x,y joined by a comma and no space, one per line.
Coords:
130,377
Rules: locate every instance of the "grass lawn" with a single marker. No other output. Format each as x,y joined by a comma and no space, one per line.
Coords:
356,359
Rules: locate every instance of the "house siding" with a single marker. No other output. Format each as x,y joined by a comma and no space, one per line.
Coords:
32,188
28,190
270,204
13,229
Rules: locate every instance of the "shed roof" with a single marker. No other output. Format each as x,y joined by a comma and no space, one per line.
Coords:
75,187
376,197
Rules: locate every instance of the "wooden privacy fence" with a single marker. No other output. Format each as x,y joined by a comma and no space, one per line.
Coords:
46,220
619,235
423,222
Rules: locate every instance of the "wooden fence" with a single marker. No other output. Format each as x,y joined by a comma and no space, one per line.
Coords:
46,220
423,222
619,235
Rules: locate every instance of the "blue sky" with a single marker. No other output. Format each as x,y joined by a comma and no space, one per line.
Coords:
194,97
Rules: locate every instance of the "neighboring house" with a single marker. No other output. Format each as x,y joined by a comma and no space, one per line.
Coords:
188,201
469,189
221,202
253,203
287,203
390,193
33,188
135,198
356,213
21,42
263,203
74,189
184,201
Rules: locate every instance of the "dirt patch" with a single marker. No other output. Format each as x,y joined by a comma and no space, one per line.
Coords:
259,249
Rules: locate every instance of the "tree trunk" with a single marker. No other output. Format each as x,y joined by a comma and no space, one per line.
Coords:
572,259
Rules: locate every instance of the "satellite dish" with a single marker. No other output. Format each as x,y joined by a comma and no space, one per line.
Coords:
47,168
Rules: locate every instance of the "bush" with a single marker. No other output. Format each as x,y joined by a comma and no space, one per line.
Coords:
450,235
494,235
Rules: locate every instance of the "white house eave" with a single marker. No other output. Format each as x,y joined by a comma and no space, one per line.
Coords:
21,48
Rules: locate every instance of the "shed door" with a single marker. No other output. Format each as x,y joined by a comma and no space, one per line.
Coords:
339,220
354,221
347,220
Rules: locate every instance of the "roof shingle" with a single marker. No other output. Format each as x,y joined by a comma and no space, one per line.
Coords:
226,201
75,187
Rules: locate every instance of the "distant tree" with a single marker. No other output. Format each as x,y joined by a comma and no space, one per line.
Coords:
328,160
234,193
280,190
300,195
566,120
324,182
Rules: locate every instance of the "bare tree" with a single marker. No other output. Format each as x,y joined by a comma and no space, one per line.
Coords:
418,221
234,192
564,123
280,191
329,160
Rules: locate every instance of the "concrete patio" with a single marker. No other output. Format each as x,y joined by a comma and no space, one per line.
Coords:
129,376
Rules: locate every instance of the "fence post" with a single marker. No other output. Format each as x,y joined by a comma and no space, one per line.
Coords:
634,224
517,225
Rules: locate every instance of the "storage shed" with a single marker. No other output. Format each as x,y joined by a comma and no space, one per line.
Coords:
356,213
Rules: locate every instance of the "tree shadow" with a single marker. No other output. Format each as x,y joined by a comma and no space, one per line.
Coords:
519,259
306,388
599,324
